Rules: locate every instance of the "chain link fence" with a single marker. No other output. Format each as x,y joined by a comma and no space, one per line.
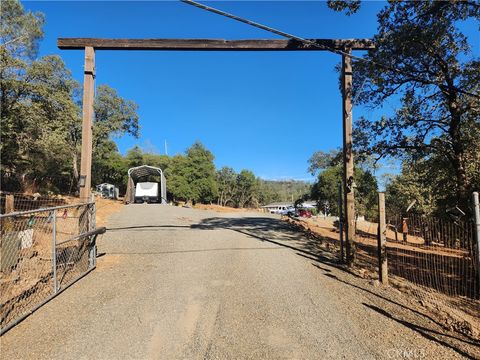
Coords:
43,251
10,202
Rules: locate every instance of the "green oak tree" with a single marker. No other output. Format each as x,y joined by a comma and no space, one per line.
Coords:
192,177
227,186
328,168
424,60
40,110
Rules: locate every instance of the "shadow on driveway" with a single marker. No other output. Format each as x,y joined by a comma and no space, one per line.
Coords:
284,234
277,232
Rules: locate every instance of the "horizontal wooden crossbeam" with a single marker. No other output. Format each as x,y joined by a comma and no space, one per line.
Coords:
212,44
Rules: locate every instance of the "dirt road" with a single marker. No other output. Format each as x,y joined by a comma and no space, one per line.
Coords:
192,284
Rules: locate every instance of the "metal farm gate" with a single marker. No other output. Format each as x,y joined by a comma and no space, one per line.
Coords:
43,251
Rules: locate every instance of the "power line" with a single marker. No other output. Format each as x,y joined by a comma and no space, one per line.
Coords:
314,44
270,29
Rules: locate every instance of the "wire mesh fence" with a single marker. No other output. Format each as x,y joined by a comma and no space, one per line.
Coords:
10,202
435,260
434,253
43,251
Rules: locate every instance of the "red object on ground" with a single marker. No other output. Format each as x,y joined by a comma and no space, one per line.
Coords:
305,213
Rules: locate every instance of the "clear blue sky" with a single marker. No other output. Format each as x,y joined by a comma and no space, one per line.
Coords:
263,111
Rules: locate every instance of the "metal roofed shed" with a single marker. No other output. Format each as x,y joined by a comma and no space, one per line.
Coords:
145,173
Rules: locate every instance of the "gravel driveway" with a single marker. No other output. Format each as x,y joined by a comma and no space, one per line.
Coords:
178,283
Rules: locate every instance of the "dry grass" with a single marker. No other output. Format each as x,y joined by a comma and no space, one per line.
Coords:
106,208
420,263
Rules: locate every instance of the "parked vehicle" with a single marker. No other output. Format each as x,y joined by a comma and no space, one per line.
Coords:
108,191
146,192
289,211
304,213
279,210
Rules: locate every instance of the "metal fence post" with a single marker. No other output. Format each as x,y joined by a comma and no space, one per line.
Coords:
382,240
476,211
53,214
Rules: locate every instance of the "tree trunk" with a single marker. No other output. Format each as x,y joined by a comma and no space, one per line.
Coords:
22,179
461,175
458,152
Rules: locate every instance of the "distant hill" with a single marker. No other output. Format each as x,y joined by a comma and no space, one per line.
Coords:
283,190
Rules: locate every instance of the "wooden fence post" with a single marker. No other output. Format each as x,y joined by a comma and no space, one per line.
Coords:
405,228
382,240
476,212
340,222
9,204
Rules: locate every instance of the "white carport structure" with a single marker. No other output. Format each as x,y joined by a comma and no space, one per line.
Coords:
143,172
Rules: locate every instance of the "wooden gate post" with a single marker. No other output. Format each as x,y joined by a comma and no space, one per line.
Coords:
87,122
9,204
348,157
382,240
340,222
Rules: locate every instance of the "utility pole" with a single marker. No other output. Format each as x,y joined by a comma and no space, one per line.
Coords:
348,184
166,150
85,180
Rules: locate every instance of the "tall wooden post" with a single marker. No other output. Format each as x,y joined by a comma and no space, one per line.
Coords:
88,96
349,199
340,222
382,240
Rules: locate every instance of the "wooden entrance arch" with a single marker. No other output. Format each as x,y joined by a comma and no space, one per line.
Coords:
90,45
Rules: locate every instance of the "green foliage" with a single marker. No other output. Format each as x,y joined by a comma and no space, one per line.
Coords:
227,186
109,166
321,160
202,175
38,113
157,160
366,194
282,190
246,189
19,34
177,183
39,104
430,182
429,65
193,177
114,116
135,157
325,189
20,31
348,6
